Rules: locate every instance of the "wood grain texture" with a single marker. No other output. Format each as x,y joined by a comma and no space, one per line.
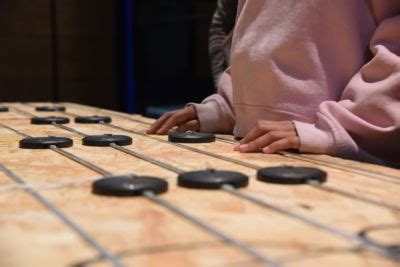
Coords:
145,234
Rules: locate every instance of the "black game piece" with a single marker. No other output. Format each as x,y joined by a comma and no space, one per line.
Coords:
128,185
50,108
106,140
212,179
190,137
92,119
45,142
291,175
49,120
3,109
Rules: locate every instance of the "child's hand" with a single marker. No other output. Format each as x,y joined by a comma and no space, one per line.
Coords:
185,119
270,137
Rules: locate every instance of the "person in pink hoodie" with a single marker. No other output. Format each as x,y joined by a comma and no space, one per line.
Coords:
318,76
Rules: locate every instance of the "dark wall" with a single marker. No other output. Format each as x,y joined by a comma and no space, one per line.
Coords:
25,65
170,51
86,51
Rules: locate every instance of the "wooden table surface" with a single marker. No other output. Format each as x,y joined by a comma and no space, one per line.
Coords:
139,232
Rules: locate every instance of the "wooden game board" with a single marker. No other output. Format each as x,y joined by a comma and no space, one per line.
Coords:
137,231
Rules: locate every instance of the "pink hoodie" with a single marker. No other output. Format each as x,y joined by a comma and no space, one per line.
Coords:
331,67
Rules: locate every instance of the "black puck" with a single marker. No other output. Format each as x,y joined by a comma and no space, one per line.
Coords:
106,140
45,142
92,119
49,120
128,185
4,109
50,108
291,175
212,179
190,137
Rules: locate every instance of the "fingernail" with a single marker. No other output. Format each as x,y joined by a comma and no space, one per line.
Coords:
267,150
236,147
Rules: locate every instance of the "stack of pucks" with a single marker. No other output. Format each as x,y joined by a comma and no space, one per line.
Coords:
92,119
49,120
291,175
106,140
45,142
128,185
50,108
190,137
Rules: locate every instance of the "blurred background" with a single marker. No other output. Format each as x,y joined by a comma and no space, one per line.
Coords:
127,55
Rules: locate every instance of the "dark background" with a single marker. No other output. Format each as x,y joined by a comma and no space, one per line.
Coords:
75,50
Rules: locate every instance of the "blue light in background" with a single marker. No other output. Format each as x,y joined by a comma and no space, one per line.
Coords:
130,86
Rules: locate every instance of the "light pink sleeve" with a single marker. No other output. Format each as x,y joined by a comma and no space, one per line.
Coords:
365,123
215,113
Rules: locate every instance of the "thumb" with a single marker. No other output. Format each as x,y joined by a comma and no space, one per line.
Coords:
192,125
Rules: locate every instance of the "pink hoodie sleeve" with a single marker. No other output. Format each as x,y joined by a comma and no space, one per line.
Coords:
365,123
215,113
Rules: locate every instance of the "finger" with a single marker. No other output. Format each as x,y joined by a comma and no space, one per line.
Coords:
193,125
182,128
158,123
263,127
171,122
283,144
176,119
265,140
236,147
157,126
253,134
